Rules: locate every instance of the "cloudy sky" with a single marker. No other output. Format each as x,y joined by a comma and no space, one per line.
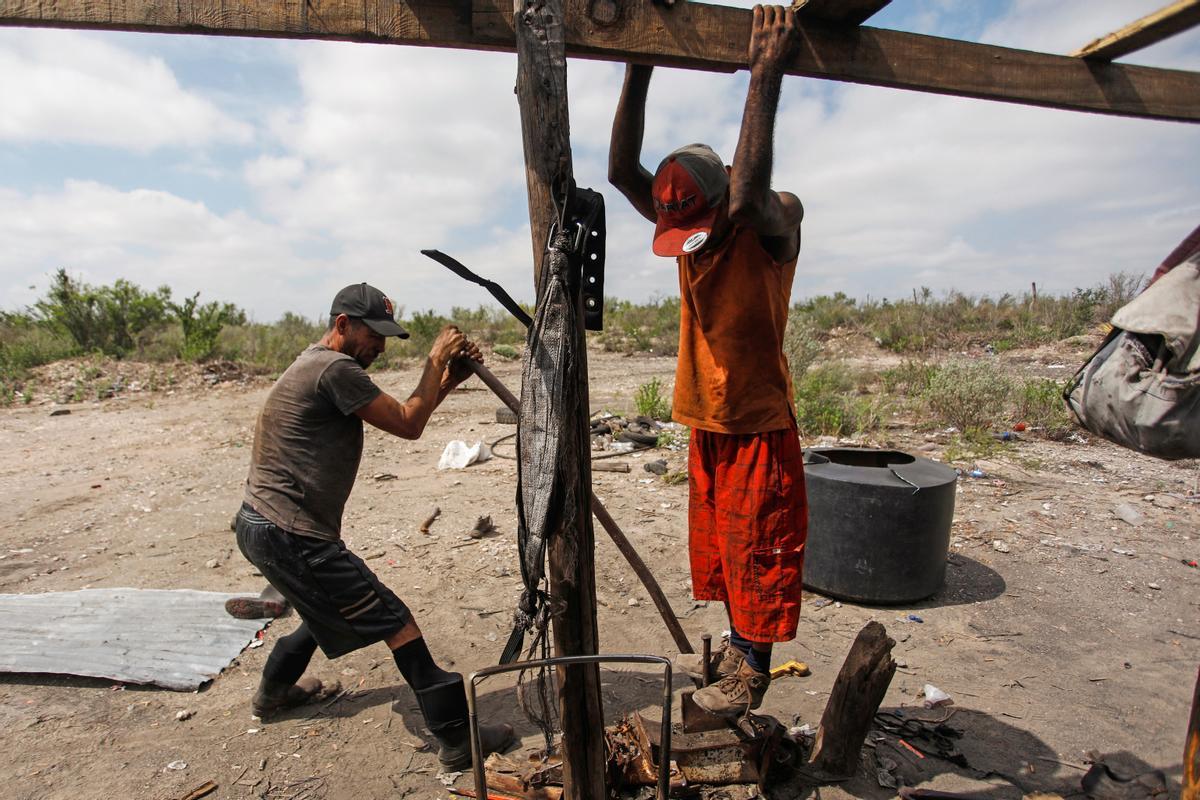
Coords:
270,173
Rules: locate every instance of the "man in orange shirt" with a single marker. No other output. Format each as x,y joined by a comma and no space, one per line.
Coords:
736,242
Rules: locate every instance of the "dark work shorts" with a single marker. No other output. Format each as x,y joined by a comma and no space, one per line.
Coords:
334,592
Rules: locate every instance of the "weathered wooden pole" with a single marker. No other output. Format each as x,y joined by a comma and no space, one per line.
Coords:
545,129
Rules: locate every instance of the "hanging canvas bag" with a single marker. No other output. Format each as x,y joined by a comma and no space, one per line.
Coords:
1141,388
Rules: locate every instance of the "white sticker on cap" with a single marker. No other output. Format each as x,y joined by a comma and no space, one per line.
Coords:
695,241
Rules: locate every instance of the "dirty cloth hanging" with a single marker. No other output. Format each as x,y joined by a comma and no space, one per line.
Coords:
551,431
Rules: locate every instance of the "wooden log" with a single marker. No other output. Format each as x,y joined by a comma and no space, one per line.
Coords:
1150,29
853,702
692,35
545,131
1190,789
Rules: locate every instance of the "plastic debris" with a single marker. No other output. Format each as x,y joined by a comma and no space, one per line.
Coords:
187,713
914,618
658,466
977,473
1020,426
459,455
1000,546
177,765
1128,514
935,697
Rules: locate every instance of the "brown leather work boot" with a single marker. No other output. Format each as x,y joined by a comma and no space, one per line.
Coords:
734,695
723,662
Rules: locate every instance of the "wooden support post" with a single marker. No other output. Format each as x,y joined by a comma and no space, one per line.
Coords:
545,129
853,703
1191,750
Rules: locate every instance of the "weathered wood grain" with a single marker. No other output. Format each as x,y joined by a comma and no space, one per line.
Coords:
692,35
1150,29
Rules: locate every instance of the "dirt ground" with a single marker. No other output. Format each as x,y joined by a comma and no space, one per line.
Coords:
1061,627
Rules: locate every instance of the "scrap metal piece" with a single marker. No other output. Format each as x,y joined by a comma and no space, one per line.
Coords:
695,718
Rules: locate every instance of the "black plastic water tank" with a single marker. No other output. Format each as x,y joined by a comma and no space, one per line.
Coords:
878,524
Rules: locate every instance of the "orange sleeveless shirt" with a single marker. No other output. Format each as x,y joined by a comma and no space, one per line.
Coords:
732,375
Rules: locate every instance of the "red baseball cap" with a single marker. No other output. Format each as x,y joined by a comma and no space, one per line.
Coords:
689,187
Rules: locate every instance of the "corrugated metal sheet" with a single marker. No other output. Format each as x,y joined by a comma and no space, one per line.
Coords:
178,639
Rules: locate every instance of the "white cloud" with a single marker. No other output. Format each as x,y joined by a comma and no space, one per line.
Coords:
68,87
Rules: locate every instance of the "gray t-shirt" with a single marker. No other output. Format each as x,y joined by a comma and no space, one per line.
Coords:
308,443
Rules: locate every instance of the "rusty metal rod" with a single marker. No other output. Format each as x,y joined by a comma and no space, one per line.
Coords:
607,522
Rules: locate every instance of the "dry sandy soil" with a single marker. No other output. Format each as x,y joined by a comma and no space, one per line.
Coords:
1084,635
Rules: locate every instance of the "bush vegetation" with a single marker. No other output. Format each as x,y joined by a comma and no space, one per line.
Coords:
126,321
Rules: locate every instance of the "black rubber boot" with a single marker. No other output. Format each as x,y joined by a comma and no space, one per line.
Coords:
445,710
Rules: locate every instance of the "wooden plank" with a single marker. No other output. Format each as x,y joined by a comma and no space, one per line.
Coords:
1190,784
692,35
839,12
546,134
1150,29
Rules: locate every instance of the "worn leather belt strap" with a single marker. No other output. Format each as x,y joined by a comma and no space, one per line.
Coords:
496,289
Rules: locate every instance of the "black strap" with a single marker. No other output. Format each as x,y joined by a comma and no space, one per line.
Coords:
496,289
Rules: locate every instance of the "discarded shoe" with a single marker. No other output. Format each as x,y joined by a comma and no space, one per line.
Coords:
722,663
734,695
269,604
272,697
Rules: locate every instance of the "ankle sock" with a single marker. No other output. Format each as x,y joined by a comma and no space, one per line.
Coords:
759,660
290,656
737,640
417,666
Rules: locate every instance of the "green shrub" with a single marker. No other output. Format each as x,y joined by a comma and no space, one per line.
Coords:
1039,403
201,324
506,352
104,318
970,395
830,402
801,341
651,401
651,327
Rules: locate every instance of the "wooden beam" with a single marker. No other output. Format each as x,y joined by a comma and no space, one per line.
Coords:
546,134
1150,29
691,35
839,12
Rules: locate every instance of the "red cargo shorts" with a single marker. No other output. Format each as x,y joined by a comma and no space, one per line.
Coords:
748,521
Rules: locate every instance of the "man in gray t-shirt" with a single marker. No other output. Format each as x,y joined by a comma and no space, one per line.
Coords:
307,447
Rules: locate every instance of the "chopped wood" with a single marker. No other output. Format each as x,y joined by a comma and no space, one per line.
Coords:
201,791
859,689
430,519
1150,29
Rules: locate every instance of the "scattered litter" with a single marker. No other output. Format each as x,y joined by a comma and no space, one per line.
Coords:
977,473
1005,436
383,476
459,455
935,697
821,602
806,730
1019,427
1190,563
1154,586
1118,551
1000,546
59,412
483,526
429,520
177,765
914,618
633,602
212,563
187,713
448,778
621,447
658,466
1128,514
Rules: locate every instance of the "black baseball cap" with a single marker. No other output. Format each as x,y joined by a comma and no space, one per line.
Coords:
373,307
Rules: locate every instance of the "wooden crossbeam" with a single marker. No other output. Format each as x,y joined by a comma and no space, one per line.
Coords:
1150,29
839,12
691,35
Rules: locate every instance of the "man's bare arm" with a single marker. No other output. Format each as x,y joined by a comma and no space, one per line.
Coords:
625,170
439,377
751,200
